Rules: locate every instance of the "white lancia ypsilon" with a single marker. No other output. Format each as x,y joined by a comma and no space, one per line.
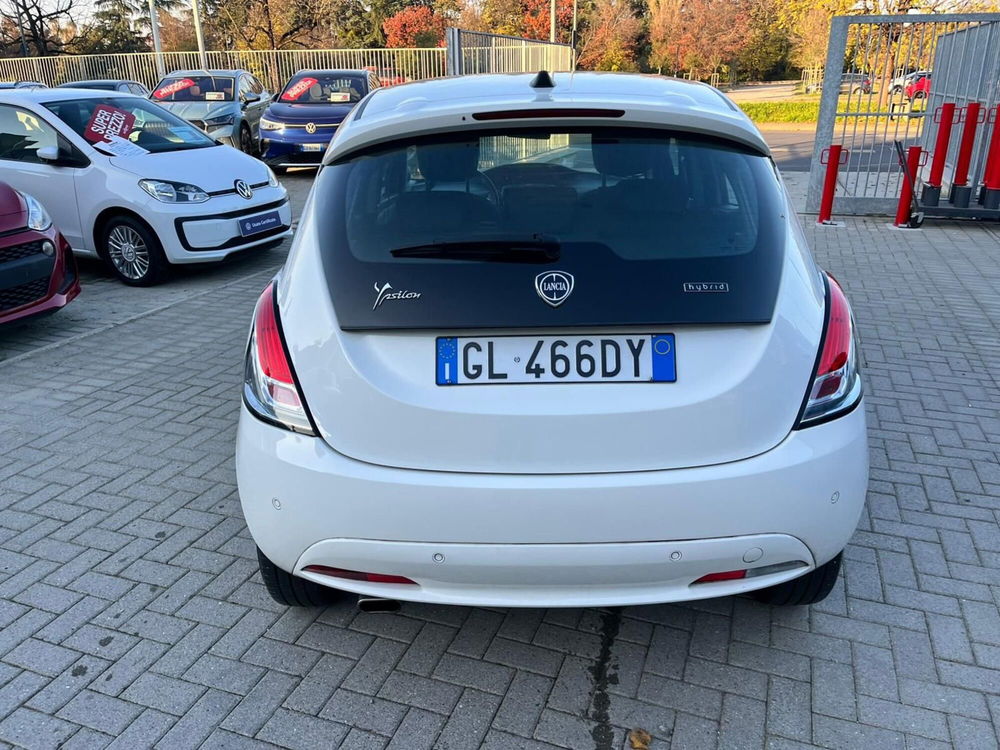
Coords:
551,341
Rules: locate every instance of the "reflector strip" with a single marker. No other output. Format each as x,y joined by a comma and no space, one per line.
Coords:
727,575
356,575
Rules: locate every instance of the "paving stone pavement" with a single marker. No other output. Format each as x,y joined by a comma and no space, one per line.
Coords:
132,615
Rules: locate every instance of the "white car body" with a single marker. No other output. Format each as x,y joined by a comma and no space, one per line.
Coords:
78,199
554,494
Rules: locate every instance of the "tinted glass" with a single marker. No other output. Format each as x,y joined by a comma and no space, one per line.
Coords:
649,211
195,89
146,124
323,88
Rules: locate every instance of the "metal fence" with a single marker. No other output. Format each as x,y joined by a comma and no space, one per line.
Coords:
966,71
873,95
471,52
274,67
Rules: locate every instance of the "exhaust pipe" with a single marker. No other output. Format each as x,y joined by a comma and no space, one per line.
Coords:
373,604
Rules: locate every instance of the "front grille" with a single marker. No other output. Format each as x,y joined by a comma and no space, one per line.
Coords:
16,252
22,294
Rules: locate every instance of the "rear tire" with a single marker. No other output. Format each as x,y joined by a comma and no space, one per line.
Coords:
293,591
813,587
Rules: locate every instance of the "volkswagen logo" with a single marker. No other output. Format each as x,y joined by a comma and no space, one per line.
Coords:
310,127
554,286
243,190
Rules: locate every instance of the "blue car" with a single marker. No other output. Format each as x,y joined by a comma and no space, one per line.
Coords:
298,125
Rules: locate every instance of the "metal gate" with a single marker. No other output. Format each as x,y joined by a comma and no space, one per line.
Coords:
885,78
471,52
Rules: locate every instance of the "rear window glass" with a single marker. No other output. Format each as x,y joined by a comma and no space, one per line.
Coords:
644,197
631,203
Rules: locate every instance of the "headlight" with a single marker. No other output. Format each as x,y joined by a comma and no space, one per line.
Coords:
266,124
173,192
272,178
38,218
221,121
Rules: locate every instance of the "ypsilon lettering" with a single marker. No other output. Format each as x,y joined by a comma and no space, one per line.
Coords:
384,293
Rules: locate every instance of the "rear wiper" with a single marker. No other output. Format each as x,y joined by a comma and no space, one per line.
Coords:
534,250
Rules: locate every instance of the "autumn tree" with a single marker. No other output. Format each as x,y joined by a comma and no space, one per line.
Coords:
535,22
611,39
767,45
504,16
177,31
665,31
714,32
414,26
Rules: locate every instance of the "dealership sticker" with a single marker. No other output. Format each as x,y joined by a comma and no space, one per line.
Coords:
298,89
108,121
340,96
172,88
115,145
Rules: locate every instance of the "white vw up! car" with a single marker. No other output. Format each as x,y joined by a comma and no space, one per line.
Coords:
127,181
551,341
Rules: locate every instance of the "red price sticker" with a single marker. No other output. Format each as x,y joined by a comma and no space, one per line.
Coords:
108,121
172,88
298,89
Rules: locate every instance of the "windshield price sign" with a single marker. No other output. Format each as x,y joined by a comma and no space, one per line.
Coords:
173,87
107,122
298,89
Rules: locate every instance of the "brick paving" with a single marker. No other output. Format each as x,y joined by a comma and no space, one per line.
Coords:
131,613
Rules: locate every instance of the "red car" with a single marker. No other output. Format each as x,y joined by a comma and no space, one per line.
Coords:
919,87
37,269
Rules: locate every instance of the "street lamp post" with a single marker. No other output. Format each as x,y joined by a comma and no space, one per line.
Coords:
154,25
196,13
552,20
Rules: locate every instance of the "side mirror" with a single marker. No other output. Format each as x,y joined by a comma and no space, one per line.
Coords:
49,154
250,99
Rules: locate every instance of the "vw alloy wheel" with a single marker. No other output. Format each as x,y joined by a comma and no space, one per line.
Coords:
128,252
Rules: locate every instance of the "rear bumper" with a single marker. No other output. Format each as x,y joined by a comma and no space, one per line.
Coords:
553,540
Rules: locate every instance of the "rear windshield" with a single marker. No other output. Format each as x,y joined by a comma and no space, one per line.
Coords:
656,228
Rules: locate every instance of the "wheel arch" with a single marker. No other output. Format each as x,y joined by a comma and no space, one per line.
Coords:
105,216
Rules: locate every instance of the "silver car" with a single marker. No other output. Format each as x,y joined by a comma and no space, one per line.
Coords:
226,104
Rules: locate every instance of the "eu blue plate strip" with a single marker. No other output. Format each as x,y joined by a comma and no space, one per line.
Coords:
664,359
447,361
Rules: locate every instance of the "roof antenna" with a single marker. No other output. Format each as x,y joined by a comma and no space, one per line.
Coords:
542,81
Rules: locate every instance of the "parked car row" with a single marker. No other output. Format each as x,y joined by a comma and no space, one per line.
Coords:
146,179
914,86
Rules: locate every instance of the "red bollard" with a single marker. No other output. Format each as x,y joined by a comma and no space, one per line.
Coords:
991,177
961,191
834,157
945,118
906,194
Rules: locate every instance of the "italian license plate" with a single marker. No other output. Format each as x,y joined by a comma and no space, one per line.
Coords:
313,146
499,360
260,223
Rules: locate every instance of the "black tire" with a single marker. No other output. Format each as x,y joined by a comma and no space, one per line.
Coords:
279,170
292,591
246,141
133,251
813,587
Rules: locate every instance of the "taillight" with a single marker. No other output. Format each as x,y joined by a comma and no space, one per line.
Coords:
835,388
269,386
